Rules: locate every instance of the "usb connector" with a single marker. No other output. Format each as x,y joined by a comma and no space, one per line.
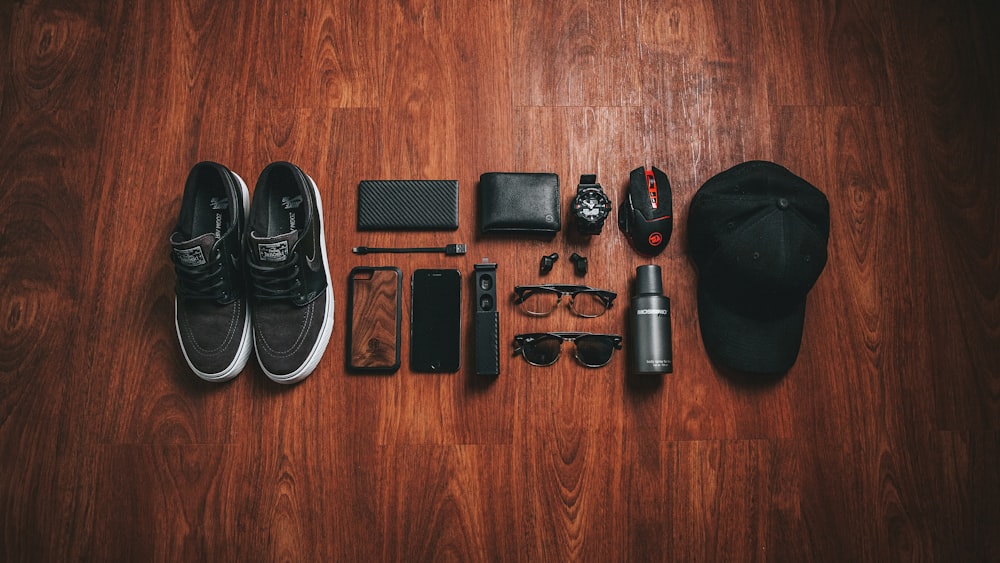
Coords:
454,249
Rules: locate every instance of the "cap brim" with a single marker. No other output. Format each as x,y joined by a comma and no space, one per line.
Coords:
766,342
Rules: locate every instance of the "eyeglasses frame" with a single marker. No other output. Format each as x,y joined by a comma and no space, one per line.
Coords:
606,296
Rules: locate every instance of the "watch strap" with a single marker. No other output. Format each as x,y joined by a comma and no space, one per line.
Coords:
588,181
591,227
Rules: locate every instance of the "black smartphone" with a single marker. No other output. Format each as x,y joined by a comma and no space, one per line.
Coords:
436,321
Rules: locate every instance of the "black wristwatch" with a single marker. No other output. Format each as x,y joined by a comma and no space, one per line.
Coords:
590,206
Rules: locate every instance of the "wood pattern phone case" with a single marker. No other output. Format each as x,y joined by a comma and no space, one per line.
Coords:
374,316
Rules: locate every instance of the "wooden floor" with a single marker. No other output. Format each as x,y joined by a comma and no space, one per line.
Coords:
881,444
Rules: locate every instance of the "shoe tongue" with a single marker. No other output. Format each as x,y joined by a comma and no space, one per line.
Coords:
274,249
194,252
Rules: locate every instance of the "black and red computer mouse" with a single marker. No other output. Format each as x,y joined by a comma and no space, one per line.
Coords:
645,216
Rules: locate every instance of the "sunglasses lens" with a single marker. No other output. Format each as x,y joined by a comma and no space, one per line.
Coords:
587,304
540,303
594,351
543,351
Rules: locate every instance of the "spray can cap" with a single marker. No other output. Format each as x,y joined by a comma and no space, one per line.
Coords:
648,280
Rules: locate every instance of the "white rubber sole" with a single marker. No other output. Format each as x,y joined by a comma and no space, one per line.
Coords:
246,343
327,329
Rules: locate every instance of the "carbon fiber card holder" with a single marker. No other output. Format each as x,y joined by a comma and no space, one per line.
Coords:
398,205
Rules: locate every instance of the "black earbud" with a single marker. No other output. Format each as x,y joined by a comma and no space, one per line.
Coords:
579,264
545,266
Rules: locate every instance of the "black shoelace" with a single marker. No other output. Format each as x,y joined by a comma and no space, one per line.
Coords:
202,282
276,282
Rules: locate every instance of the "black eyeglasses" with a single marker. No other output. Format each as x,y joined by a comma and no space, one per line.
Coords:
540,300
542,348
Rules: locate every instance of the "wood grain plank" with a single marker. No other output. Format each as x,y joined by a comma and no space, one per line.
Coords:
642,488
966,462
824,53
579,54
718,494
570,490
190,489
439,503
6,30
447,95
317,54
309,460
695,30
52,57
950,153
47,141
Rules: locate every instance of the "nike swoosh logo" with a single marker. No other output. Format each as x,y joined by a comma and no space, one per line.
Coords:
291,202
313,263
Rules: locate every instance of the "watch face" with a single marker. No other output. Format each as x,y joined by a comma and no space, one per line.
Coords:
591,205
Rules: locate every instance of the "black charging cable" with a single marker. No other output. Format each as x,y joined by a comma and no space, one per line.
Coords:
450,250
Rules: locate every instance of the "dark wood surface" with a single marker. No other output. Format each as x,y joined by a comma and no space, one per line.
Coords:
881,444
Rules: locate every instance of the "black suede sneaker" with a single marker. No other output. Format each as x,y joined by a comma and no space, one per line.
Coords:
210,307
290,280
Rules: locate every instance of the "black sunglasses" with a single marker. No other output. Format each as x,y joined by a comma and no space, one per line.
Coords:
542,348
541,300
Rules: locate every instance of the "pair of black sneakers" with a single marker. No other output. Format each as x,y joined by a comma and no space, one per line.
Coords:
251,275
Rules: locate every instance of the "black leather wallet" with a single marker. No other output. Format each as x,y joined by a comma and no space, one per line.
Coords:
514,202
407,205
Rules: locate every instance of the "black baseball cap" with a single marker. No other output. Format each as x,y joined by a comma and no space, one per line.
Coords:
758,235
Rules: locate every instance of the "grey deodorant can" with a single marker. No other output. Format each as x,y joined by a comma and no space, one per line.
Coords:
652,351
